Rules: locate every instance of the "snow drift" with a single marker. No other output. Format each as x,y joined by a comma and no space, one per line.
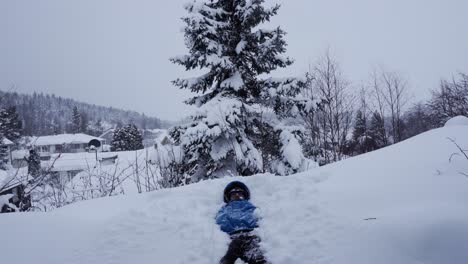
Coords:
402,204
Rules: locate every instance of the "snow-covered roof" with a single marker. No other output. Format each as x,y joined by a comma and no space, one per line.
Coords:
75,161
161,135
10,179
111,130
63,139
7,142
19,154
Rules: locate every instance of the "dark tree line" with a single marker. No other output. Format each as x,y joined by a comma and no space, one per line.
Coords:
350,121
449,100
10,130
44,114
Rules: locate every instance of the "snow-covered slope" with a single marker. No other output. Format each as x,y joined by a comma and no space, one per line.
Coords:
413,198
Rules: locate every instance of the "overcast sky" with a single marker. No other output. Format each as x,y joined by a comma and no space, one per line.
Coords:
115,52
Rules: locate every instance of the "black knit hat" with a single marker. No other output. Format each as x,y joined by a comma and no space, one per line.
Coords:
235,184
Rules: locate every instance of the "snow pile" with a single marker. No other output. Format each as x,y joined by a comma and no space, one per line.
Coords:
402,204
5,200
457,121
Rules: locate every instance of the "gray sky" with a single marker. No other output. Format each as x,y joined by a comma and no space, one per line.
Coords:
115,52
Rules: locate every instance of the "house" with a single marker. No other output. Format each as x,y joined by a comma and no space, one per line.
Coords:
63,143
12,192
108,135
150,136
8,143
18,158
162,138
65,166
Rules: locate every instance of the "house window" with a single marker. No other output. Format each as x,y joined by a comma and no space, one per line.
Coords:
76,146
45,149
59,148
44,158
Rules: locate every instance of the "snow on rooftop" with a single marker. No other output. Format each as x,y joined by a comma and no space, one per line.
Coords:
457,121
7,142
63,139
4,178
19,154
110,130
11,178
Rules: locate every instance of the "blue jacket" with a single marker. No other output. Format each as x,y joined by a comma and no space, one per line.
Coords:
237,216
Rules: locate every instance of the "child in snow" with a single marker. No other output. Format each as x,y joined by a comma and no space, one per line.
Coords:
237,219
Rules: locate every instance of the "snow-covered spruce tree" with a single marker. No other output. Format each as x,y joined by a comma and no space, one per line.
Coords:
76,121
34,163
239,128
11,125
127,138
362,140
377,131
3,153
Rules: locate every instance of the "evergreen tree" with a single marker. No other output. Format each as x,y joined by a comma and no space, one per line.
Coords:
96,129
84,122
226,134
417,119
377,131
362,138
360,126
4,155
359,132
10,124
34,163
10,129
76,121
127,138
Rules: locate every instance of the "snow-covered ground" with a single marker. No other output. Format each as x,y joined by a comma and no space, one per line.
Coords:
413,197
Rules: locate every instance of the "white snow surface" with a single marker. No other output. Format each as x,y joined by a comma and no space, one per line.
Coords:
75,161
457,121
413,197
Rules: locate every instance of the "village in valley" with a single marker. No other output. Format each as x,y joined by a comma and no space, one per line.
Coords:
80,166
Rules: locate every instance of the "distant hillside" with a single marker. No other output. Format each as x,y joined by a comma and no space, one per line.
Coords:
44,114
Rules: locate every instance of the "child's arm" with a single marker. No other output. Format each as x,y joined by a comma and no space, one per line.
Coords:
221,216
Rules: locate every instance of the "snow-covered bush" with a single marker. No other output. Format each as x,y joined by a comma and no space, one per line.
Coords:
127,138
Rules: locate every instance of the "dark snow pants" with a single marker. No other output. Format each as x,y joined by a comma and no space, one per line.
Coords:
245,246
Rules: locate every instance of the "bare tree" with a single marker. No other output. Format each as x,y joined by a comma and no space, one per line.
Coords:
168,162
391,94
450,100
329,126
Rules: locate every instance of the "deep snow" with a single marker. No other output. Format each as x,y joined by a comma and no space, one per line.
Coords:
413,197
